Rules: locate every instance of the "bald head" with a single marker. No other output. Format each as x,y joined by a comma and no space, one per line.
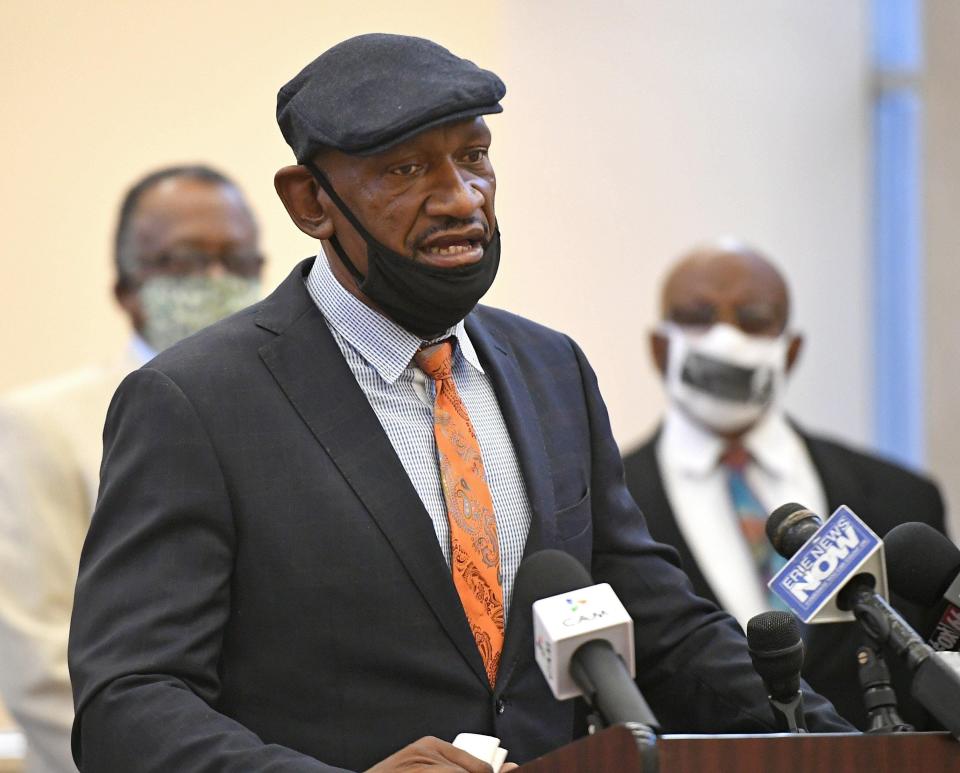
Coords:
726,281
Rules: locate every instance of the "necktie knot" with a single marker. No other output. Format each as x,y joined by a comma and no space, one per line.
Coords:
735,457
436,360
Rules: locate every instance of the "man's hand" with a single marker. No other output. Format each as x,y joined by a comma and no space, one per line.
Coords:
436,756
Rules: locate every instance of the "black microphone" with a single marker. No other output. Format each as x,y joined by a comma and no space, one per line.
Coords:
596,668
789,526
936,675
776,649
923,567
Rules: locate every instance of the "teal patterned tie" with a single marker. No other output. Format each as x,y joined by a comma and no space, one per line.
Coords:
753,518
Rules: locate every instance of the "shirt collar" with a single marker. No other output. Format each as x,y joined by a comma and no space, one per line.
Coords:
388,347
687,446
693,449
139,351
774,444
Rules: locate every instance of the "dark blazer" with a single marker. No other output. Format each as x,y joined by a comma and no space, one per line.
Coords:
261,587
880,493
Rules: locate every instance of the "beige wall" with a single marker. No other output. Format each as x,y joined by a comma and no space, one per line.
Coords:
942,237
631,130
636,128
96,93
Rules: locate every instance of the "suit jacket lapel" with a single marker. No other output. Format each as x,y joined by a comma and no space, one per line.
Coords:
310,369
523,424
841,486
645,479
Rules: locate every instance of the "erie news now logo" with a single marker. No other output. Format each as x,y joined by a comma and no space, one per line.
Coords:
824,563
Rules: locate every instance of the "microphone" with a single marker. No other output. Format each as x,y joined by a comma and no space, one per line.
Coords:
791,525
776,650
924,568
583,639
834,574
822,558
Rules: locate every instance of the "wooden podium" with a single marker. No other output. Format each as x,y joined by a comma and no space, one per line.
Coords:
614,750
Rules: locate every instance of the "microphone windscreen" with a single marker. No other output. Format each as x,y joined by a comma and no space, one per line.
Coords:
776,649
547,573
772,631
789,526
921,562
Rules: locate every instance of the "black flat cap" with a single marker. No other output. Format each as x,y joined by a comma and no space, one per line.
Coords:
373,91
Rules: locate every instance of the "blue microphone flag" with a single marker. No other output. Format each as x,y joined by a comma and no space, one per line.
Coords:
810,581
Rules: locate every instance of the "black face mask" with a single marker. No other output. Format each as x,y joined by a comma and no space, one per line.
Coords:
425,300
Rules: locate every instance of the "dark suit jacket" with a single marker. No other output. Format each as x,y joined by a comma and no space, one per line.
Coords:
880,493
261,587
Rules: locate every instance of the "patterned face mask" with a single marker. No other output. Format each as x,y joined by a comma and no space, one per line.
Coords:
178,306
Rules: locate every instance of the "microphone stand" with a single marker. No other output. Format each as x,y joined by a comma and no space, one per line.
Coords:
936,675
878,695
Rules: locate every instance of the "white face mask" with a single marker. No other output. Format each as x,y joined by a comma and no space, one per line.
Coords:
724,378
175,307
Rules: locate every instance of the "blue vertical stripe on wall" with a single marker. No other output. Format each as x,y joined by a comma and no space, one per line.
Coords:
897,252
897,40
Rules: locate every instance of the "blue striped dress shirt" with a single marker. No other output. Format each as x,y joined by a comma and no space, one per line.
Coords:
380,353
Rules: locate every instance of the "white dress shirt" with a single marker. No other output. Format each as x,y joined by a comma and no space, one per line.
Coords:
780,471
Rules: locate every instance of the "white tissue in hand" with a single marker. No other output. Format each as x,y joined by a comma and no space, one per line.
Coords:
483,747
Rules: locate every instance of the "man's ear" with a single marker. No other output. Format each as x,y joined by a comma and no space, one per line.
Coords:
307,206
793,351
659,350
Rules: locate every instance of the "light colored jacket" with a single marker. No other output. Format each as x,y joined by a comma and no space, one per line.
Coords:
50,448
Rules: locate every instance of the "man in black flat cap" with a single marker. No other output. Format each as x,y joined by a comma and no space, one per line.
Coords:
312,514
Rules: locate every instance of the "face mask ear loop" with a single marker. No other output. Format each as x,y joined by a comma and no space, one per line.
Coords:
324,183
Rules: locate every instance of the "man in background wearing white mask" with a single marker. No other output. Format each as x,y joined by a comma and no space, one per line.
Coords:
726,454
186,255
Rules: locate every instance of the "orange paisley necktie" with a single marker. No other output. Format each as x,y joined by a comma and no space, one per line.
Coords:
473,526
